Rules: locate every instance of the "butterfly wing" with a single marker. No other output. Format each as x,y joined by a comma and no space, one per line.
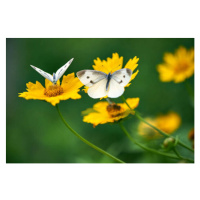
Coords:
62,70
43,73
115,89
122,76
119,79
95,80
98,90
90,77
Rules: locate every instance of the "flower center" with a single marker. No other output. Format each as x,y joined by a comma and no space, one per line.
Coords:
181,67
115,110
53,90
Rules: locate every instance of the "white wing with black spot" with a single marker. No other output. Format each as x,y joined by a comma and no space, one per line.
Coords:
43,73
98,90
122,76
91,77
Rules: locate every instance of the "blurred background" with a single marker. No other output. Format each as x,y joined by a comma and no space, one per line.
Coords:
36,134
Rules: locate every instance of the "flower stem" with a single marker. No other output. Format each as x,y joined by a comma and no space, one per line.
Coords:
145,147
181,157
86,141
161,132
109,101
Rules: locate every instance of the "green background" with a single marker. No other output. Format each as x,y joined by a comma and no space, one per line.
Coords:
36,134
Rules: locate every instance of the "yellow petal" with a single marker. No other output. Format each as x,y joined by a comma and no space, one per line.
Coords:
109,66
165,73
132,102
132,63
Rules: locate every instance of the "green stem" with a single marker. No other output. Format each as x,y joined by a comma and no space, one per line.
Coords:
161,132
109,101
85,141
143,146
181,157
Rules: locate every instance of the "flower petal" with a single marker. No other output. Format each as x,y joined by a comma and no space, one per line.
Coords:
132,63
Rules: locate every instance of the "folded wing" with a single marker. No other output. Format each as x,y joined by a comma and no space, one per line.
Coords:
62,70
43,73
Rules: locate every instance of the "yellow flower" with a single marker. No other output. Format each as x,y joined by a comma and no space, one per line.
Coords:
167,123
54,93
113,64
103,112
177,67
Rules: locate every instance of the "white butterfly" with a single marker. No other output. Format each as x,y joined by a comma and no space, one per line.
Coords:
101,84
56,76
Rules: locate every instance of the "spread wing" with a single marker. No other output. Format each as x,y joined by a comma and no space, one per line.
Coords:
43,73
122,76
62,70
119,79
98,89
90,77
115,89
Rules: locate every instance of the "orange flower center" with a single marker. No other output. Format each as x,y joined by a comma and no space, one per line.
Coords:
181,67
53,90
115,110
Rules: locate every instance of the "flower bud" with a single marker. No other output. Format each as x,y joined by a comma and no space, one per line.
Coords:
169,143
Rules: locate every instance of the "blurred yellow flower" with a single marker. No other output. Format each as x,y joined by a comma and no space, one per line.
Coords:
167,123
103,112
177,67
54,93
113,64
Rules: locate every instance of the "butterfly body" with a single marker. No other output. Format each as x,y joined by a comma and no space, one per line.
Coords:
56,76
101,84
109,76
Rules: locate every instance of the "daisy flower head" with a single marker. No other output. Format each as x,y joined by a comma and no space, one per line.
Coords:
104,112
108,78
178,66
168,123
54,93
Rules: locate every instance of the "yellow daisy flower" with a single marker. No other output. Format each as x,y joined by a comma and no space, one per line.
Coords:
167,123
113,64
177,67
54,93
103,112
